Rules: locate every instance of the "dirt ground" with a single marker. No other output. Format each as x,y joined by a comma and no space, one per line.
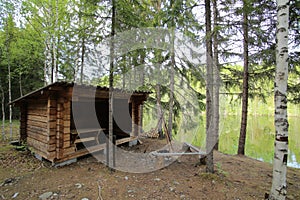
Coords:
22,176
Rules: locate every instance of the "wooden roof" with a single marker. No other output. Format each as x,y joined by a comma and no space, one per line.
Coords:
57,85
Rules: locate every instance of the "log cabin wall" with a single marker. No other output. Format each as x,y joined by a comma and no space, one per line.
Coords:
45,121
37,128
51,127
68,147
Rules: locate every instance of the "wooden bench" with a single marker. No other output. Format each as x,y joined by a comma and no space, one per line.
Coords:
82,132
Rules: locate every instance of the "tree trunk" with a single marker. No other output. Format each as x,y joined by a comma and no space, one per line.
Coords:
9,86
172,66
82,59
209,91
46,53
110,152
278,190
55,43
3,110
20,84
243,129
142,82
159,111
216,119
9,99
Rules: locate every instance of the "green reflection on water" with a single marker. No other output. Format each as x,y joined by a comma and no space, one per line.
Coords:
259,140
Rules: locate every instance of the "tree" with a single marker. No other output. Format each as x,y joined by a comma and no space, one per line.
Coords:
9,29
3,111
111,87
278,190
243,130
209,91
216,69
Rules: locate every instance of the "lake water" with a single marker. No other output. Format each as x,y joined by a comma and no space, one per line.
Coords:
260,130
259,140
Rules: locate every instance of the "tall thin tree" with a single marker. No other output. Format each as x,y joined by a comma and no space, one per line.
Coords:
279,187
209,91
3,110
110,156
216,102
171,72
243,129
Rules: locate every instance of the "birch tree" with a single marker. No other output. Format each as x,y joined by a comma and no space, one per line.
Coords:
279,188
3,110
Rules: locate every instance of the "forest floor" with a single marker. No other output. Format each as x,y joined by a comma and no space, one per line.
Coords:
22,176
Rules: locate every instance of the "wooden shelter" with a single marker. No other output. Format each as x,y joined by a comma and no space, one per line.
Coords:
51,128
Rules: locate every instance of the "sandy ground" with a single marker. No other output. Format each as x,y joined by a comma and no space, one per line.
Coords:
22,176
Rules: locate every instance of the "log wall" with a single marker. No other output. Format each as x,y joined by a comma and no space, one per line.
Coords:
46,122
37,128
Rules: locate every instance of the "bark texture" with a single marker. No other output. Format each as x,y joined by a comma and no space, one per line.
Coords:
110,152
209,91
216,103
279,189
243,130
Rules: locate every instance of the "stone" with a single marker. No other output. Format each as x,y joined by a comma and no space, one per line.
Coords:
15,195
45,196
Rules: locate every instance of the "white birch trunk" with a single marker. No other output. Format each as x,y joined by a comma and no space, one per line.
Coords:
279,187
9,99
3,111
55,42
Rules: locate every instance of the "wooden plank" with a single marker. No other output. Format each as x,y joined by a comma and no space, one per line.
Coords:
67,143
40,145
36,105
37,129
67,123
192,147
42,138
69,150
86,130
68,154
52,131
88,139
124,140
51,156
37,111
52,118
37,118
67,136
36,123
177,153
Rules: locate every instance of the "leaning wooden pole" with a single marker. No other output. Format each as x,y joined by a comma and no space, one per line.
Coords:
279,187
